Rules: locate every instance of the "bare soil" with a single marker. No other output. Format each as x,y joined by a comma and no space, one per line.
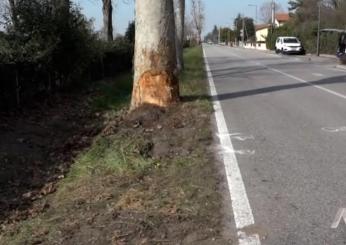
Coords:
37,146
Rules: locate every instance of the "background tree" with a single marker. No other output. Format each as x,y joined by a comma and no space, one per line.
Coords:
155,80
180,24
304,10
189,31
249,31
215,35
107,10
130,32
12,11
198,17
226,35
212,36
294,4
266,11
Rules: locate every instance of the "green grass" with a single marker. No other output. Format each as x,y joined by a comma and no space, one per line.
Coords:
114,93
117,153
193,73
191,86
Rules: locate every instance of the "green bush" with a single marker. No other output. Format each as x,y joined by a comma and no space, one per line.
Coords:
51,45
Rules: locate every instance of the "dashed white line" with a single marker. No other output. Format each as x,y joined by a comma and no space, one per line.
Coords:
240,203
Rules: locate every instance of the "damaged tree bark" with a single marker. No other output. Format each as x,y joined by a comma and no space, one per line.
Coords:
155,79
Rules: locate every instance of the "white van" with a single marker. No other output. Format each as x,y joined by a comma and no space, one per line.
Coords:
289,45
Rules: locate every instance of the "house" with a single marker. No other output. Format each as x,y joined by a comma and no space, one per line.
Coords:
262,32
263,29
281,19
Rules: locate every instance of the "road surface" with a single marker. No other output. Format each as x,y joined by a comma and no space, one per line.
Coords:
286,118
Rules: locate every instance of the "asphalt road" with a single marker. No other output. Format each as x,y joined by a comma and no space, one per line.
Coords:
286,116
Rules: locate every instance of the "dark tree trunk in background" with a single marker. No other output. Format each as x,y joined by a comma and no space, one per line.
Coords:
12,5
107,10
179,27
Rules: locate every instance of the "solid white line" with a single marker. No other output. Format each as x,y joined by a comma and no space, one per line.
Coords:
240,203
303,81
336,69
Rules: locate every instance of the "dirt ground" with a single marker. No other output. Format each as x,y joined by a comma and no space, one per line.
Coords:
70,175
37,146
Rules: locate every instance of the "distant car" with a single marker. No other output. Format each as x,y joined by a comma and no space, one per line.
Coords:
289,45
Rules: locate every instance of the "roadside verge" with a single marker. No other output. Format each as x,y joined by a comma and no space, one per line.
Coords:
148,177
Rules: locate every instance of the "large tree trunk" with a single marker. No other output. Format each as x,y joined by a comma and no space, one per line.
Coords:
180,25
107,10
155,80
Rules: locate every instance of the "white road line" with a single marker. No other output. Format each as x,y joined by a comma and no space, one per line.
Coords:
336,69
240,203
303,81
317,74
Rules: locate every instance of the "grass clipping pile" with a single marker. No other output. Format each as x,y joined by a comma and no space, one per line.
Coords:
148,178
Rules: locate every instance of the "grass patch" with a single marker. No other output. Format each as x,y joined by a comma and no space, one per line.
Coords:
190,80
191,88
117,154
114,93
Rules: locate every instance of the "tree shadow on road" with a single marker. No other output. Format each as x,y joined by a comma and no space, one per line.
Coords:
270,89
278,88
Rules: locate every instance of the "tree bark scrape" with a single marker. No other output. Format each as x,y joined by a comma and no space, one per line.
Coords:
158,88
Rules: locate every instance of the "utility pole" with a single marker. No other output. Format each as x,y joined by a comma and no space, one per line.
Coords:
236,40
219,37
273,21
229,37
243,31
318,29
273,14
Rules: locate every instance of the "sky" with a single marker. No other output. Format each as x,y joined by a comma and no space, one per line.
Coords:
218,12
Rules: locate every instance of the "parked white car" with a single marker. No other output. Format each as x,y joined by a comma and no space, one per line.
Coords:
289,45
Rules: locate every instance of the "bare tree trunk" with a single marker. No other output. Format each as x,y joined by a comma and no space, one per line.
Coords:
198,16
107,10
180,25
13,14
155,80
